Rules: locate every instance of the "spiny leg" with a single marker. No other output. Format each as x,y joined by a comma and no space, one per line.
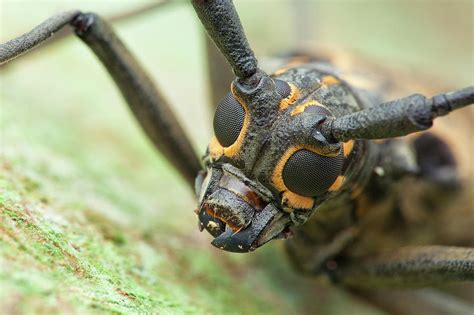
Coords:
148,105
409,267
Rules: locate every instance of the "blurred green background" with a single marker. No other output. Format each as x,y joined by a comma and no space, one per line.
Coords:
94,220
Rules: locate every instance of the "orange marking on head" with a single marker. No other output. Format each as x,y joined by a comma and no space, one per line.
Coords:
296,61
348,146
296,201
281,70
301,108
293,199
291,99
329,80
277,176
215,149
338,183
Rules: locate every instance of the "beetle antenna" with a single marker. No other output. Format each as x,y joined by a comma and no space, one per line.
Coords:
222,23
19,46
38,35
144,99
396,118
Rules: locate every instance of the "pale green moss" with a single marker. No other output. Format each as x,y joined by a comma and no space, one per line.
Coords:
50,254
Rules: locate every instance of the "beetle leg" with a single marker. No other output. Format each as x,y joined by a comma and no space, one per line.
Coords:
420,301
322,255
146,102
436,161
408,267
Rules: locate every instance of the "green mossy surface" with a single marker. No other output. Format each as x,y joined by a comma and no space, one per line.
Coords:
60,257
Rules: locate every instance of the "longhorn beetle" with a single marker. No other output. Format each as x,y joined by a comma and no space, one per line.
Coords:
302,152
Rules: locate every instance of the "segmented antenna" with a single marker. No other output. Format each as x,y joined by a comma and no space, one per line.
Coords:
396,118
222,23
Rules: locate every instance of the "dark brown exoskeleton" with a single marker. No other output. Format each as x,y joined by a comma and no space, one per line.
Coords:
304,152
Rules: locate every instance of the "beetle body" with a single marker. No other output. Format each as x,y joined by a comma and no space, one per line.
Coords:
412,190
367,208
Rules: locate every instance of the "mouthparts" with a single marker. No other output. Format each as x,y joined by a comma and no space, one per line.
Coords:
240,234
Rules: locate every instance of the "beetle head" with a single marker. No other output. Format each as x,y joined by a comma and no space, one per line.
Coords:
268,165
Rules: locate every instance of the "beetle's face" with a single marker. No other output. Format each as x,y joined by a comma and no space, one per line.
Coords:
267,167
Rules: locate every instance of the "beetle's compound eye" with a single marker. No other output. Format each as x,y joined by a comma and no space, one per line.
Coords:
228,120
282,88
309,174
